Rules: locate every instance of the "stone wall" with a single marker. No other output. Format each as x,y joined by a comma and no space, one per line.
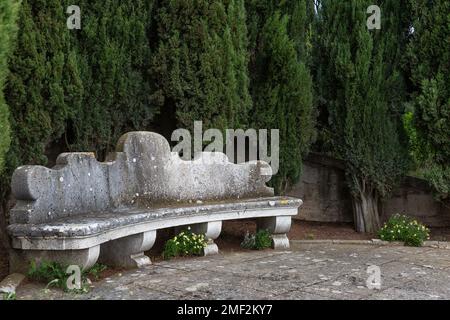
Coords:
323,190
415,198
326,196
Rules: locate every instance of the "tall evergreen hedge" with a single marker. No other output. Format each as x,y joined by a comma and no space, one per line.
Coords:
8,16
361,91
232,64
200,65
77,90
428,58
113,57
43,83
281,84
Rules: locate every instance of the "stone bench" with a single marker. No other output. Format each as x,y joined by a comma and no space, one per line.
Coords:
82,211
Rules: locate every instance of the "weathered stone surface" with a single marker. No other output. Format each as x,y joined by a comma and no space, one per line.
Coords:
11,282
128,252
323,188
19,259
324,191
95,223
66,213
143,172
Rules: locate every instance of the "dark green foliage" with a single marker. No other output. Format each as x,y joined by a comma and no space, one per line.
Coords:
39,91
77,90
362,91
261,240
200,67
301,13
113,56
8,16
428,58
282,94
52,273
233,64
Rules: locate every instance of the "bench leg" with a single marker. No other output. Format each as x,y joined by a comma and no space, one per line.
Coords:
128,252
211,230
278,227
85,258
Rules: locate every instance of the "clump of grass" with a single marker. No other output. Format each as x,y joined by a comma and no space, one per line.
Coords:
96,270
55,275
262,239
9,296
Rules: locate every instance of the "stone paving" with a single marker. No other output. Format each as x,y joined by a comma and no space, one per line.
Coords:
309,271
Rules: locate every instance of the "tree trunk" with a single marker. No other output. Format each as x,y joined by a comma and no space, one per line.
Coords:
366,210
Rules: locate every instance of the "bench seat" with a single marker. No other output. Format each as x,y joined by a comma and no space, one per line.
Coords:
88,230
82,211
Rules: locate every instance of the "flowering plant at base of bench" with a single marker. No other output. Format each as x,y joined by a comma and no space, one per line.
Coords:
406,229
185,244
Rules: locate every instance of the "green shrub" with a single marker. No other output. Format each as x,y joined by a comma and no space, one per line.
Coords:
185,244
406,229
55,275
259,241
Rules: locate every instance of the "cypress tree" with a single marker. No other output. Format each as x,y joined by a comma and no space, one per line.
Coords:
301,17
113,55
78,89
281,81
361,91
73,90
283,98
200,66
8,15
41,89
429,63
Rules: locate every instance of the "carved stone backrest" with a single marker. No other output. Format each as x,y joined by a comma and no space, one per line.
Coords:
143,172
